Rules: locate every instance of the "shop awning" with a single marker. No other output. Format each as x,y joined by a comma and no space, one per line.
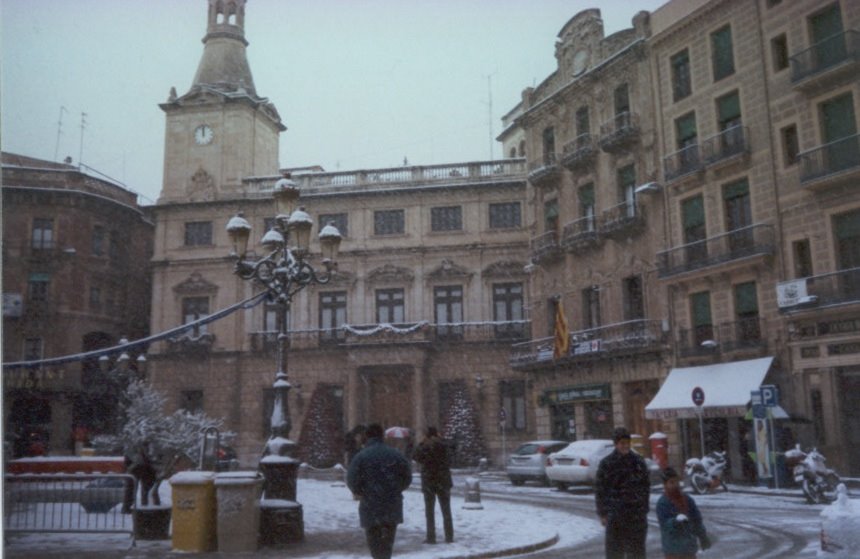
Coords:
726,387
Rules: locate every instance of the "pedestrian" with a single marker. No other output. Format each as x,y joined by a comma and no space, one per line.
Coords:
681,528
353,442
434,456
621,493
378,475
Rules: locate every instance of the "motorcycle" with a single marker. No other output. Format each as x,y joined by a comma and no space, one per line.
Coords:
818,482
705,475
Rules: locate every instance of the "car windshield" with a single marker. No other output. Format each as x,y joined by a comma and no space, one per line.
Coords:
528,448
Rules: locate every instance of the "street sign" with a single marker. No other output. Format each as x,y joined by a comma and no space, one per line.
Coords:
769,395
698,396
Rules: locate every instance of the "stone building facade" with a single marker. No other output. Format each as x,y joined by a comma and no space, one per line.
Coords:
76,251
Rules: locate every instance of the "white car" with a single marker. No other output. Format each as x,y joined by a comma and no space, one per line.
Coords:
577,462
529,460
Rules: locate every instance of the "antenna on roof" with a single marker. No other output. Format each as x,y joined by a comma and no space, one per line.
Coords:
83,125
59,132
490,110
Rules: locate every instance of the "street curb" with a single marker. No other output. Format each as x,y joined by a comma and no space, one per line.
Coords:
510,551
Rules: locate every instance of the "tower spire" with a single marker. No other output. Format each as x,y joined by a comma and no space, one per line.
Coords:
224,64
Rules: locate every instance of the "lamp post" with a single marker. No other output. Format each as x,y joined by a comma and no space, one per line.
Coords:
283,270
115,376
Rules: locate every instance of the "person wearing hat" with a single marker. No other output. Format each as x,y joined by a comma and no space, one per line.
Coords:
681,528
621,491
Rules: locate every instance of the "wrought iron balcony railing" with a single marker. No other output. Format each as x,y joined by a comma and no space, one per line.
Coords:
738,244
612,340
729,143
830,159
623,219
545,247
745,334
544,170
581,234
833,51
579,153
814,292
619,132
683,162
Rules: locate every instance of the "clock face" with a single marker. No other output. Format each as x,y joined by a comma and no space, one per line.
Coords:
203,135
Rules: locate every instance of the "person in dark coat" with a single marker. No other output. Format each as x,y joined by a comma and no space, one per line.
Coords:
435,459
621,493
378,475
681,526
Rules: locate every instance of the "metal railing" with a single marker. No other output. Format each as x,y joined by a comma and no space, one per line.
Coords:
831,158
826,54
833,288
580,231
70,503
618,130
728,143
742,334
578,152
741,243
622,218
544,245
683,162
632,336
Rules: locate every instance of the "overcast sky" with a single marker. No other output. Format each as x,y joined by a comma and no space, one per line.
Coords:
358,83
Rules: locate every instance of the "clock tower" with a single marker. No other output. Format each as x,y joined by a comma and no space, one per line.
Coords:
220,130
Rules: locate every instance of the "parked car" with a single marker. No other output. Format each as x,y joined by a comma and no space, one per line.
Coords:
577,462
528,461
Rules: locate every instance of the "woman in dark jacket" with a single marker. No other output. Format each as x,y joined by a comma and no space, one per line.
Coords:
681,527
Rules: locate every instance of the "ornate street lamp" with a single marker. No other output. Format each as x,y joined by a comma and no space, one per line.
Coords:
283,270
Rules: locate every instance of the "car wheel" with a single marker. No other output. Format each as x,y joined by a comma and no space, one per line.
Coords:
560,485
517,482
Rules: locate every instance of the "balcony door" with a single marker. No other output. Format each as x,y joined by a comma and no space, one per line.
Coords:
736,197
846,228
839,133
389,396
823,26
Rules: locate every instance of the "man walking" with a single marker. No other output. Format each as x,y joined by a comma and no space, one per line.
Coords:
435,459
621,494
378,475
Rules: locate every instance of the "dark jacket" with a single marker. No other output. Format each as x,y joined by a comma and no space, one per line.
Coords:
622,486
378,475
680,538
434,455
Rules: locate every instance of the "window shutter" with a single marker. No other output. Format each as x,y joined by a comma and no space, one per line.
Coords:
701,306
729,107
586,195
847,226
737,189
686,126
693,211
746,301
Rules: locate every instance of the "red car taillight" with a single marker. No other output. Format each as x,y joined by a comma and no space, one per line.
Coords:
583,462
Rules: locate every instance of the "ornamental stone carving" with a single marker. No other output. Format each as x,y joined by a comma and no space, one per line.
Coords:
195,285
504,269
390,273
201,187
449,270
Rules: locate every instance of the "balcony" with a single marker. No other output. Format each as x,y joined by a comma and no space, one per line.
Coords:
620,133
386,334
579,153
614,340
833,61
546,171
726,147
816,292
732,249
545,248
622,221
581,235
683,163
832,164
743,335
505,332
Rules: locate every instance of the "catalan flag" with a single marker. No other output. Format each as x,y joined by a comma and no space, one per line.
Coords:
561,344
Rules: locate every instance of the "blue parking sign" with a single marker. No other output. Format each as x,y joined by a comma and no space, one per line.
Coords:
769,395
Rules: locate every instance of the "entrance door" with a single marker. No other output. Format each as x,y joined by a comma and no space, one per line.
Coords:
849,389
389,398
637,396
562,417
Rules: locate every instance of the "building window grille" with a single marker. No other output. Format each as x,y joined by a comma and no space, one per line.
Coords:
198,233
389,222
448,218
505,215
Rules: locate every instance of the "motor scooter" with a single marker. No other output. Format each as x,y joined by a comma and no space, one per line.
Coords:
705,475
818,482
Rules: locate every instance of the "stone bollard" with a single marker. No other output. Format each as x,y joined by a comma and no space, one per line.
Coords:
482,465
473,494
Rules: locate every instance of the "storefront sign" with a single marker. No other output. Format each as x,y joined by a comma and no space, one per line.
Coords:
581,348
579,393
39,379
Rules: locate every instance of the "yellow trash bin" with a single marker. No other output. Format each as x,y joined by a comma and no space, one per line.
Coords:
194,511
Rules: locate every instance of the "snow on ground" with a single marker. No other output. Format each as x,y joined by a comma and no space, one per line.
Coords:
329,508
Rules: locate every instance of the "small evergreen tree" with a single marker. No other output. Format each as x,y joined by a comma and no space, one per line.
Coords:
321,442
461,427
149,437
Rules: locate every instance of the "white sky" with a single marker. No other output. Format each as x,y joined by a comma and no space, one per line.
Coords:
358,83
